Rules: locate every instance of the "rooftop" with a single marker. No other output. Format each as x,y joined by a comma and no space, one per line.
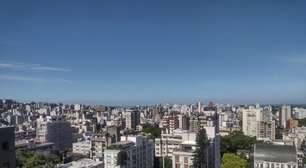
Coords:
121,145
275,153
82,163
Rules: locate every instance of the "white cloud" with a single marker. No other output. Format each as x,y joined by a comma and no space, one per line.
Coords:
5,65
21,78
46,68
36,67
32,79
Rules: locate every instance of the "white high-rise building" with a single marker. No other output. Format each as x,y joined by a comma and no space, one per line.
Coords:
257,122
199,106
250,117
285,115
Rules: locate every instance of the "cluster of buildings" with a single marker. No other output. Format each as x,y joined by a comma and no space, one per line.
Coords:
101,136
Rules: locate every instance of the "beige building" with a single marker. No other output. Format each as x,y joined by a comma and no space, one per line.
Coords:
250,116
256,123
284,115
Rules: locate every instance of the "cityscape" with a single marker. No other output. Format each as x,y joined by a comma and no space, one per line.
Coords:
152,84
38,134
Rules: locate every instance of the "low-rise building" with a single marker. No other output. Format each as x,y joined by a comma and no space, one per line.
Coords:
132,151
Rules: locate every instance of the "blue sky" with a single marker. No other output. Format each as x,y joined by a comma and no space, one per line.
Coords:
145,52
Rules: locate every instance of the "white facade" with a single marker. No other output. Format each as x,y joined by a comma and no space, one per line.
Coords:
285,114
257,122
165,145
174,145
250,117
77,107
82,147
183,158
110,158
299,113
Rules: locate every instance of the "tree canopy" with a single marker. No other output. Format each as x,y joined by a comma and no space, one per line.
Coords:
155,131
27,159
233,161
236,141
302,122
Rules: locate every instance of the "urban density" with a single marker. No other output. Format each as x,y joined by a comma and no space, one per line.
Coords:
153,84
163,135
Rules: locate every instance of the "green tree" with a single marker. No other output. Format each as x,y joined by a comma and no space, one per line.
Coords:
35,161
233,161
200,155
235,141
155,131
302,122
28,159
168,162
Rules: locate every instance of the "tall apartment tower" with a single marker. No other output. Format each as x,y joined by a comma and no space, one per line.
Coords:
132,119
199,106
250,117
183,121
257,122
284,115
56,131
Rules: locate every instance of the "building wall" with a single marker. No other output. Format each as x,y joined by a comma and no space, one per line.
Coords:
182,159
249,121
82,148
285,114
7,148
60,133
265,164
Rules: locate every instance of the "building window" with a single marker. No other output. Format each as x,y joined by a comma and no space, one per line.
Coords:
186,160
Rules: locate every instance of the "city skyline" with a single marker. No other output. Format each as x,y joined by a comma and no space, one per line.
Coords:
153,52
